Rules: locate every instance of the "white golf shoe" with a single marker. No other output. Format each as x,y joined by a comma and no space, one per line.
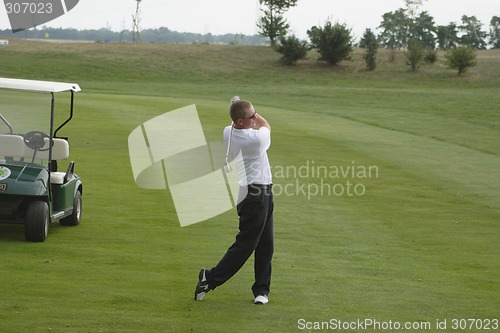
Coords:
261,299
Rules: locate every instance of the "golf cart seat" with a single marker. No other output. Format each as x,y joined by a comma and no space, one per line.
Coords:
57,178
11,145
60,151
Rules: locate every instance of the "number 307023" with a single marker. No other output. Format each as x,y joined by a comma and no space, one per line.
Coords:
29,8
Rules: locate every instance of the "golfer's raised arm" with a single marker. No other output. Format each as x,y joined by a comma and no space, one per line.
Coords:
261,122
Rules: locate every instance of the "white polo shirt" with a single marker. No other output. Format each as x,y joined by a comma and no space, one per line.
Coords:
249,152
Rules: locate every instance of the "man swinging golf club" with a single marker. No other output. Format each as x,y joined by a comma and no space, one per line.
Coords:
248,137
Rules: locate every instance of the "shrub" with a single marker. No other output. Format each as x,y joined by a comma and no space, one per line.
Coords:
370,43
333,42
414,54
461,58
292,49
430,56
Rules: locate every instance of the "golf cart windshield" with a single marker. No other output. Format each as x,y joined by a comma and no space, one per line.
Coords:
29,118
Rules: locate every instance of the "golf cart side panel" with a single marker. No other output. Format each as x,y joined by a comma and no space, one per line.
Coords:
25,180
10,208
24,184
63,195
13,207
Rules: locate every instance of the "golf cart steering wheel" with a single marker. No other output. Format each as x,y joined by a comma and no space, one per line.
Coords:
36,140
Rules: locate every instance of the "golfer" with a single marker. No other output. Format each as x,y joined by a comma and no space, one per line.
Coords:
247,139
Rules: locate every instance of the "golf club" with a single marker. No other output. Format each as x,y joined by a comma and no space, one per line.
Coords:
228,167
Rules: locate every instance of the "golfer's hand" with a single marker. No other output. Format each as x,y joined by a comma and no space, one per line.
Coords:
261,122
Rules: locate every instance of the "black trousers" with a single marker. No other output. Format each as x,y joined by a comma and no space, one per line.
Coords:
256,235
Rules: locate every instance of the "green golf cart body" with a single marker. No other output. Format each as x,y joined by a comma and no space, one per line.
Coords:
33,191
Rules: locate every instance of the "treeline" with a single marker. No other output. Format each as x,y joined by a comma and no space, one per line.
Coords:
161,35
398,28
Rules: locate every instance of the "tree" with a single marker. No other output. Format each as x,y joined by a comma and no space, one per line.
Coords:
272,24
495,32
370,43
334,42
413,8
394,29
414,54
447,36
410,23
412,12
461,58
473,35
424,30
292,49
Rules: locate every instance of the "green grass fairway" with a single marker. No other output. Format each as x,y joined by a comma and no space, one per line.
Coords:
387,192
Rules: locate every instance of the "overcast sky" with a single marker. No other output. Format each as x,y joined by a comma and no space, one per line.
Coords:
240,16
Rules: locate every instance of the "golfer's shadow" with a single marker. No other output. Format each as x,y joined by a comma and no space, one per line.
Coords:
15,232
11,232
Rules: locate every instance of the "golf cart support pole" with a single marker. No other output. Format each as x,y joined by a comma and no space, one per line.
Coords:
6,123
52,111
70,114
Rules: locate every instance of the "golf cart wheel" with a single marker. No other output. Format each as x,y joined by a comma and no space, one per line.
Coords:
74,218
36,226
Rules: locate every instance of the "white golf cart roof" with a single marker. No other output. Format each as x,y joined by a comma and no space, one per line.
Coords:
33,85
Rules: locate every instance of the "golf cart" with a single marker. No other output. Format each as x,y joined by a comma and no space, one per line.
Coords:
33,191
